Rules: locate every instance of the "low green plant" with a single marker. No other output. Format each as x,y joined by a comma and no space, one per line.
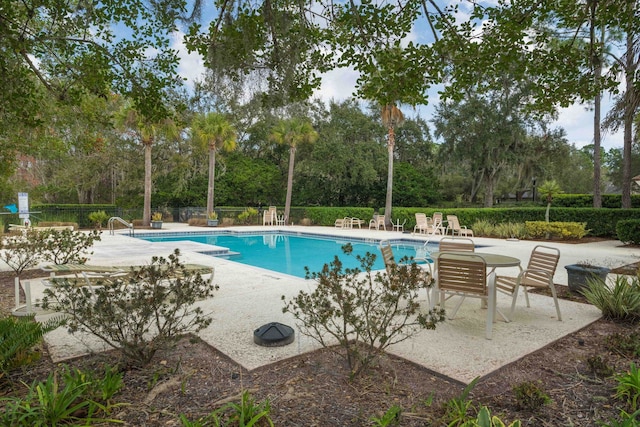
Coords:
248,216
562,230
625,420
246,413
510,230
363,311
599,366
628,387
457,409
55,402
484,419
98,218
619,301
18,337
390,418
139,314
483,228
530,395
98,389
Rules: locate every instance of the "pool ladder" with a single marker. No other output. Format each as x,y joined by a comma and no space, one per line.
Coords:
113,219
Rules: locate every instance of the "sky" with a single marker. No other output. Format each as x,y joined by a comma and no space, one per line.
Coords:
577,120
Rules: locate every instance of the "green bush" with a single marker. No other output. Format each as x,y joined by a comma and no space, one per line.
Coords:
563,230
18,337
530,395
628,231
139,314
67,246
619,301
248,216
98,218
365,313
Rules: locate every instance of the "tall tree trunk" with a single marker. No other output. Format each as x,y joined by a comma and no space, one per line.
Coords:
597,196
488,192
389,200
146,209
212,177
597,72
629,110
287,204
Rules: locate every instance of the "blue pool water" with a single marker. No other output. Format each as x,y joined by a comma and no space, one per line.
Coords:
289,254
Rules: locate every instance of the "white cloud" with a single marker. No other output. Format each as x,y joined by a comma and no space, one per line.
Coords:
577,121
191,64
338,84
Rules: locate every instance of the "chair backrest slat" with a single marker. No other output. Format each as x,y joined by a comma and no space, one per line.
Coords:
387,255
542,265
462,273
456,244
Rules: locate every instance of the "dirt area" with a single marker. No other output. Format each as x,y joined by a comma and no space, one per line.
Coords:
314,390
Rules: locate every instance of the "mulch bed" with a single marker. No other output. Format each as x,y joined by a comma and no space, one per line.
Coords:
315,390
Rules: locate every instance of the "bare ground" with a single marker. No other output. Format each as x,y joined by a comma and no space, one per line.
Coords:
314,389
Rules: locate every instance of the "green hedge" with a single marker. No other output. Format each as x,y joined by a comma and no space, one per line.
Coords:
629,231
611,201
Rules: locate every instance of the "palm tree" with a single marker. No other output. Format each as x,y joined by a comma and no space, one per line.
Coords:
549,190
214,130
292,133
392,117
147,132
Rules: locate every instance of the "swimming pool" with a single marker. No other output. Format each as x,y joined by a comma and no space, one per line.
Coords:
290,253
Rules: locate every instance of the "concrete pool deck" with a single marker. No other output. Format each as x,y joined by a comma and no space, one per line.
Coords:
250,297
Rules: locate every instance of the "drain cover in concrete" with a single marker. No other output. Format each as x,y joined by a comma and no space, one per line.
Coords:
273,334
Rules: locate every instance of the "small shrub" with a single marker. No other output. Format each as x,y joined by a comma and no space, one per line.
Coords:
98,218
530,395
562,230
246,413
619,301
156,216
365,313
67,246
144,312
390,418
483,228
458,408
599,366
484,419
18,337
510,230
628,231
22,251
248,216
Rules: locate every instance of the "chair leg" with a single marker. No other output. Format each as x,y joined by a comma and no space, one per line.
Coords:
515,297
491,309
555,300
